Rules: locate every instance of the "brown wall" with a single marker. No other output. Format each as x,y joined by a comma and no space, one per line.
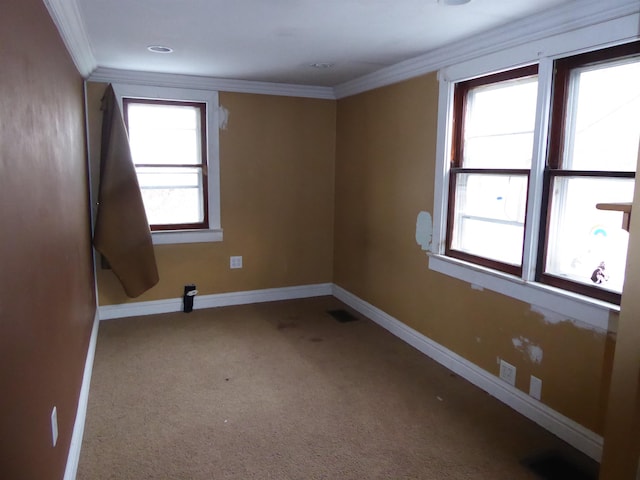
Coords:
622,429
277,171
385,164
47,300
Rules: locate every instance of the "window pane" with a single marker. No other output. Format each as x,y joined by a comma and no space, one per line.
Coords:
603,124
499,123
164,134
172,195
585,242
489,216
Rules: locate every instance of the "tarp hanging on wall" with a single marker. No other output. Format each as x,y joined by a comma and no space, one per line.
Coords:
122,232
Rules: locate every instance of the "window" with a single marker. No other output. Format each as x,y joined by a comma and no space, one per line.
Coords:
594,137
174,138
169,151
490,165
539,164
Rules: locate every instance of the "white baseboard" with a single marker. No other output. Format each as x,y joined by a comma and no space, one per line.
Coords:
81,413
108,312
568,430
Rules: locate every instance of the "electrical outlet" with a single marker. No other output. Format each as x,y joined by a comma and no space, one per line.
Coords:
535,387
508,372
54,426
235,262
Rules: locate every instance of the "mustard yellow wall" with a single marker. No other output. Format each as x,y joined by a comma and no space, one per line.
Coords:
277,177
385,163
281,212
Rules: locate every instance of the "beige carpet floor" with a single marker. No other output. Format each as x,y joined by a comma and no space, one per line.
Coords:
283,391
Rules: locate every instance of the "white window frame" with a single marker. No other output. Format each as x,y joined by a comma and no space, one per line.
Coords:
210,98
550,301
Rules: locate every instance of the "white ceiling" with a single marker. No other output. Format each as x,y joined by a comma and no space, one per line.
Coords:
277,40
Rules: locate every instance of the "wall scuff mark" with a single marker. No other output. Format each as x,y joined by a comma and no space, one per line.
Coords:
424,230
532,351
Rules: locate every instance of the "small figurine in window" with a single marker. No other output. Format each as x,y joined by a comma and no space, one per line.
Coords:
599,276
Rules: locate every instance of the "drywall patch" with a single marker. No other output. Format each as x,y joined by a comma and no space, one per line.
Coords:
553,318
525,346
424,231
223,117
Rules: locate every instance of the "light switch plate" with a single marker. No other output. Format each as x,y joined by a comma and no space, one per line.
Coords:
535,387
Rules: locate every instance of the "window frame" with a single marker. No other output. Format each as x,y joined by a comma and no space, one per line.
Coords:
213,231
202,165
552,303
460,96
563,68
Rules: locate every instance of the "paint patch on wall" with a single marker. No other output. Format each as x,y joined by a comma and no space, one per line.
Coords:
553,318
424,231
477,287
223,117
533,352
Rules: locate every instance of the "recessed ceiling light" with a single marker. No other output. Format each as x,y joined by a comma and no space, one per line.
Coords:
455,2
159,49
321,65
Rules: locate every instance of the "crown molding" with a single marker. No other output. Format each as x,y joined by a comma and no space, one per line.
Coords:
68,20
112,75
578,14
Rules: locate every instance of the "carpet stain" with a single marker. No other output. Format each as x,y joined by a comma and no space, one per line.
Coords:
553,466
286,325
342,315
316,339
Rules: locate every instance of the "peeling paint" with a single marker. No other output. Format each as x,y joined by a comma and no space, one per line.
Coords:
424,230
532,351
223,117
477,287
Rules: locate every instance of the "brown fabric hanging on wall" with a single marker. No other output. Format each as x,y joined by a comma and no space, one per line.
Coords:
122,232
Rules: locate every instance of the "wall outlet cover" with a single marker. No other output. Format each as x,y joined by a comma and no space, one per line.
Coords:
54,426
508,372
235,262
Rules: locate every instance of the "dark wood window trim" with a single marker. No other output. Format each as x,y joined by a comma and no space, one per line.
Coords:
202,109
457,155
562,76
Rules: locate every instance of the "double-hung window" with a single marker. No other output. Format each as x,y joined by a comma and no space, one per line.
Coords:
167,140
592,157
541,188
174,140
490,167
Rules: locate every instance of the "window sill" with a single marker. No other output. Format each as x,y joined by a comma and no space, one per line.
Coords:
186,236
555,304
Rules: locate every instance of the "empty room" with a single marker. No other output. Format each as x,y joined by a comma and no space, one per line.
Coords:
302,240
